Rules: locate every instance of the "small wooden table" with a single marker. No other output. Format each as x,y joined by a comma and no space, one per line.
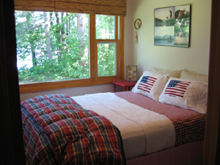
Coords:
123,84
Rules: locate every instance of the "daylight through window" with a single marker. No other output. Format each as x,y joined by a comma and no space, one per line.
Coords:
74,48
52,46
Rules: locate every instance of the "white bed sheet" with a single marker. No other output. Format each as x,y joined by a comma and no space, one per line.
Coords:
142,131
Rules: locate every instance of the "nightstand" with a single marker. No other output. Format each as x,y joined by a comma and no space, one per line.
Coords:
123,84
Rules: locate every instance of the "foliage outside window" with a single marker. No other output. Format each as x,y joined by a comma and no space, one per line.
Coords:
105,27
106,59
106,46
56,46
52,46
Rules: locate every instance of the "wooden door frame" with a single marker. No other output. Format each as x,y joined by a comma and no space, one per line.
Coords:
12,151
10,117
211,141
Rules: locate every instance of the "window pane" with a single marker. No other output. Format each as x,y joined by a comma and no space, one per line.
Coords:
119,27
52,46
106,59
105,27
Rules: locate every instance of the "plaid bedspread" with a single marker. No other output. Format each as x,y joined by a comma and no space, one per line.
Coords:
189,125
57,130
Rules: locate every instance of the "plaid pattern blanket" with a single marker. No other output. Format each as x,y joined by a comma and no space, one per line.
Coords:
189,125
57,130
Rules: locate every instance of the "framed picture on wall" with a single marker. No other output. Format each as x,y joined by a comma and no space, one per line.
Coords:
172,26
131,73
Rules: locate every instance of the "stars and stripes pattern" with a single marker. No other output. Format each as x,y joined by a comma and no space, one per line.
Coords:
176,88
146,83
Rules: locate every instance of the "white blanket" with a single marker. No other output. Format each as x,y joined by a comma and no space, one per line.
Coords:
142,131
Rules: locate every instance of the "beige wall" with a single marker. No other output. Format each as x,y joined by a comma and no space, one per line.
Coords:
72,91
146,55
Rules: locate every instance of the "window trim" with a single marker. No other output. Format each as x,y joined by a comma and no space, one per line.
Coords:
94,79
106,7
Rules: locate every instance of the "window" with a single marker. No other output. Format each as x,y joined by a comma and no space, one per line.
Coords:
106,45
52,46
106,59
60,50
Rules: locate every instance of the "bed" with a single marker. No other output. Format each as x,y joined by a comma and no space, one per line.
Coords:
149,127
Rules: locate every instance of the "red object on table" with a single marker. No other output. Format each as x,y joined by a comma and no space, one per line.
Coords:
123,84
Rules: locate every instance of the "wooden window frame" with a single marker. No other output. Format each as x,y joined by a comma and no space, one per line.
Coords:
94,79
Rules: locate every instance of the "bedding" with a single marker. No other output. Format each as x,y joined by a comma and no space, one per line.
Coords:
143,131
57,130
135,124
189,125
173,73
187,94
191,75
151,84
189,153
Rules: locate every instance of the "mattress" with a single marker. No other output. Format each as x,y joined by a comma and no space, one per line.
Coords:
146,126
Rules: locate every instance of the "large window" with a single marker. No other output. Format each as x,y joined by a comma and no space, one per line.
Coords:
52,46
59,50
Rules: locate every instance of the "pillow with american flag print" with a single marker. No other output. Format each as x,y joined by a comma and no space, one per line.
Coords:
185,93
151,84
172,73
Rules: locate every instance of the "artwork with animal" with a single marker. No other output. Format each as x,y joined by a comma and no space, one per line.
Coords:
179,14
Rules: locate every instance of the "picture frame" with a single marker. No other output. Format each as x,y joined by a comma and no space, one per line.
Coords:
131,73
172,26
